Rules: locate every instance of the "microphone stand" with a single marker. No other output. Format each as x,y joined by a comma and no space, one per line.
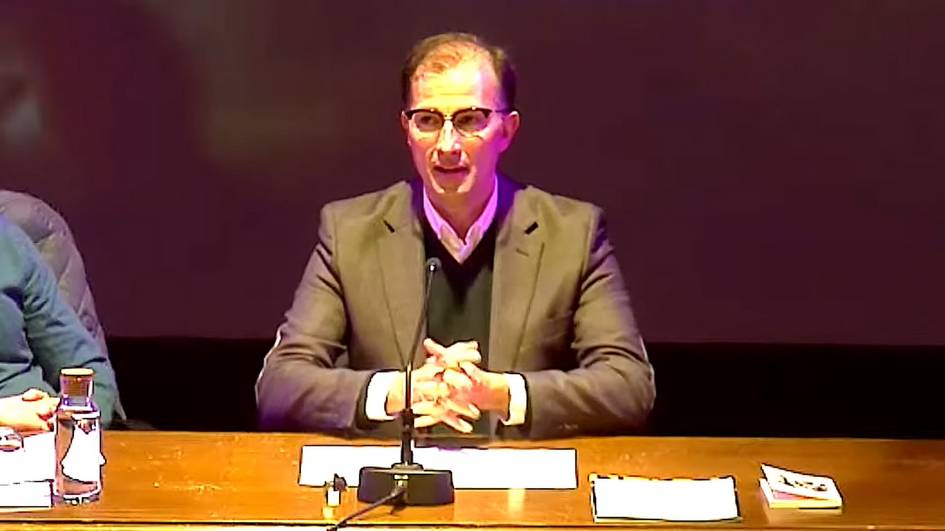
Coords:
407,482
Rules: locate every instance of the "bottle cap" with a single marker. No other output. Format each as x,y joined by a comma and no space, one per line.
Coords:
76,381
77,372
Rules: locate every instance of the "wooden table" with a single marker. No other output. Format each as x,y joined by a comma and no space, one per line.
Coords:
211,480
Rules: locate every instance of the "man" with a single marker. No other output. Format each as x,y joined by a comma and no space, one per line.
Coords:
40,335
529,325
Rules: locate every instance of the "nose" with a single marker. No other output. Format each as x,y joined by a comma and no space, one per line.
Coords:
447,143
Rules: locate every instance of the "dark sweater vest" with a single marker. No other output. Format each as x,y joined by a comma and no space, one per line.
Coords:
461,299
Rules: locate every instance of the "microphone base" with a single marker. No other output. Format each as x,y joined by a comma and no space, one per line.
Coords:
423,487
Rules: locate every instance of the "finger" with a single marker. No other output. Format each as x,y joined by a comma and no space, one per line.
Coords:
467,345
430,391
31,395
461,355
429,408
47,408
33,424
433,361
434,349
439,412
425,421
457,423
455,353
457,380
472,371
463,346
428,371
420,393
461,408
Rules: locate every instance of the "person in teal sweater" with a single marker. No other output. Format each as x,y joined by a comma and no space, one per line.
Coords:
40,334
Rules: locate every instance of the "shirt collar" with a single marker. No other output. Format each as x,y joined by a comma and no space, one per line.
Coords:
461,248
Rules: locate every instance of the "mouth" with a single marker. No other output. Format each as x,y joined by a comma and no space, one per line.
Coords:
452,171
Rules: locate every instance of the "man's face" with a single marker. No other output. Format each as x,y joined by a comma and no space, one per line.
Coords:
457,166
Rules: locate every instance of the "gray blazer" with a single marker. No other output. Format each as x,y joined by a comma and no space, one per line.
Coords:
561,317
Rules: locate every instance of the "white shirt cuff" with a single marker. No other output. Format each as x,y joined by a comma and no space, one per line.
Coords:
375,403
518,400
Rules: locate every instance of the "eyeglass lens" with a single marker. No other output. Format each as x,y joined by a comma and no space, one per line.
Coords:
464,121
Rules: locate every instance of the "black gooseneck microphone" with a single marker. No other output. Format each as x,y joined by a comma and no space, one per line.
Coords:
407,429
406,482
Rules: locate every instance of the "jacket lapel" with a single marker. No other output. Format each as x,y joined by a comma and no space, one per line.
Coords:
400,258
515,273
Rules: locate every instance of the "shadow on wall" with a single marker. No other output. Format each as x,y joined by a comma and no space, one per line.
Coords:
98,116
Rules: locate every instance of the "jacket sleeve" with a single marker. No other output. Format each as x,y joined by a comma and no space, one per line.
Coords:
612,389
301,386
55,336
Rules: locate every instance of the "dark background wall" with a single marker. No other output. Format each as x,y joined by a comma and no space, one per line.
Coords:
771,170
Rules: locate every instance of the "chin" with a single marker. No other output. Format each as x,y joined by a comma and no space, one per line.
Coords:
452,187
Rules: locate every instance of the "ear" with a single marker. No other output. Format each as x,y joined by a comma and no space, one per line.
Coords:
404,123
405,126
510,126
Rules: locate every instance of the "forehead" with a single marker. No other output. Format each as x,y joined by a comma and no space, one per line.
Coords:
470,83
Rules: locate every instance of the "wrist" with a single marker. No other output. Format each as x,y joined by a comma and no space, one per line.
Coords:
395,396
500,396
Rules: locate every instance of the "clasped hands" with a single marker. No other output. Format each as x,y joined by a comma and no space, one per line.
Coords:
31,411
450,388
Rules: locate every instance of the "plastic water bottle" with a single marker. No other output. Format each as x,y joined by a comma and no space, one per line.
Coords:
79,457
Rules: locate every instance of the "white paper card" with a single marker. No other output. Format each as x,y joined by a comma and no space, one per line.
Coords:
472,468
26,473
681,500
35,461
28,495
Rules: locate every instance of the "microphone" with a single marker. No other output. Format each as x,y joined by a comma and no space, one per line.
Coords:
407,426
406,482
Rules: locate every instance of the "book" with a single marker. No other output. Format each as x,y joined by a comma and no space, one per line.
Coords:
787,489
27,467
26,495
621,498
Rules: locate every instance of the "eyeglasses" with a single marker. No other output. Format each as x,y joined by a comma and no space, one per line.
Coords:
465,121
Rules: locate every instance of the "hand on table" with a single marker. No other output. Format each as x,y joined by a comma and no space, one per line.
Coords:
31,411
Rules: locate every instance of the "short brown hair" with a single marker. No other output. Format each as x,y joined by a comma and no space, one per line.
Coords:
448,50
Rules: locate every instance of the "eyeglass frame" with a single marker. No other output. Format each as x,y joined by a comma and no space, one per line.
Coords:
408,114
